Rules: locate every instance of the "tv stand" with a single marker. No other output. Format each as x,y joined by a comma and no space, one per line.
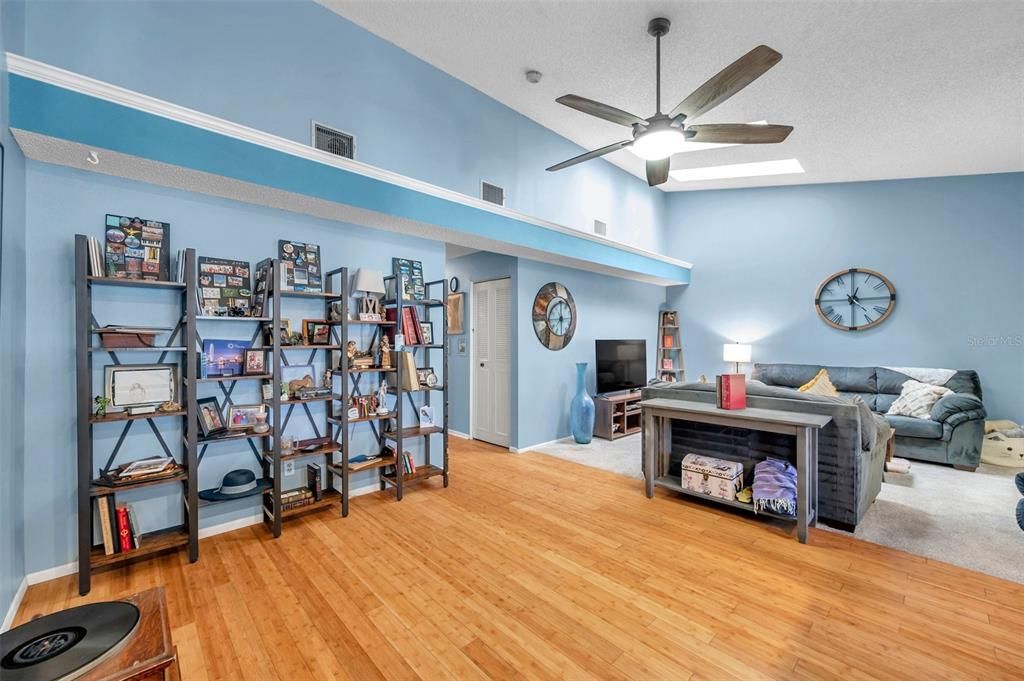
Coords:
618,415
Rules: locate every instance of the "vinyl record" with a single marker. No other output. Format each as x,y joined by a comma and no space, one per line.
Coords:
66,644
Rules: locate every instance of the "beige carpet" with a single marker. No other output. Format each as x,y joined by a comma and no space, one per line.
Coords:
966,519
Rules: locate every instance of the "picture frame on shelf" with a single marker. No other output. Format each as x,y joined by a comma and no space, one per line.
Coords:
299,376
427,332
255,362
316,331
139,385
426,413
267,391
285,332
426,376
211,419
224,357
245,416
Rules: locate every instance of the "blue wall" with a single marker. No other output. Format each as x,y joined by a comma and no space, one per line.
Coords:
951,246
480,266
12,330
63,202
606,308
277,65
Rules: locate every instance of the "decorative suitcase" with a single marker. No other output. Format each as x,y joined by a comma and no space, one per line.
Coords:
714,477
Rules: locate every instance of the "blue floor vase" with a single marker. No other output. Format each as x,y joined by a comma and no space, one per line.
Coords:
581,413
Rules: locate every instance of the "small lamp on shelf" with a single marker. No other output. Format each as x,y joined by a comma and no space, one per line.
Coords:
738,353
371,284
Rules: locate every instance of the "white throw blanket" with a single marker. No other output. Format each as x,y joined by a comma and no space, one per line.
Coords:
930,376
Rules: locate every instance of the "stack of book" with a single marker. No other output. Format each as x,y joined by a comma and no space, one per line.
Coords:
297,498
731,391
119,526
409,463
411,329
361,362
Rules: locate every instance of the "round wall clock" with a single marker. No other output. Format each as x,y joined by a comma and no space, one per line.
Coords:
554,316
855,299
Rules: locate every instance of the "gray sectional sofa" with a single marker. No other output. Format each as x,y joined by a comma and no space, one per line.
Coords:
952,435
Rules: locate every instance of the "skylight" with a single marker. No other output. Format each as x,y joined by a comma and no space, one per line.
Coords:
783,167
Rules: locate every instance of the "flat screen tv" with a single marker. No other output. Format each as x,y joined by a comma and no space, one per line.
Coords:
621,365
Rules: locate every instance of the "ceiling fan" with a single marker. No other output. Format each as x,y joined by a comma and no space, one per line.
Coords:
655,139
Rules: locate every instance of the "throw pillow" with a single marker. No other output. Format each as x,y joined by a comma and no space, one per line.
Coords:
821,384
917,399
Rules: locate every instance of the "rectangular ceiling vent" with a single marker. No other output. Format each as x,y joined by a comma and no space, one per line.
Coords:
600,228
492,193
333,141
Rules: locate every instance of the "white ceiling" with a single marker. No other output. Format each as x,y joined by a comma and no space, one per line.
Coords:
875,90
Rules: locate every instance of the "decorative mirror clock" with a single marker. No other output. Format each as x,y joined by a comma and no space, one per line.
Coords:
855,299
554,316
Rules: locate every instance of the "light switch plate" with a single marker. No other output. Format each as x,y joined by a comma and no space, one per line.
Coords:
288,468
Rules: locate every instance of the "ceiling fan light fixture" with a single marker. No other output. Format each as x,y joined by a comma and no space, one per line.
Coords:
656,145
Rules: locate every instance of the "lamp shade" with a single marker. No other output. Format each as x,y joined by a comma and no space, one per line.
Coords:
736,352
368,281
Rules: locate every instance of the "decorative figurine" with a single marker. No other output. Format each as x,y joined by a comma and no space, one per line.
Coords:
101,405
382,393
384,348
169,406
327,380
351,349
703,378
300,383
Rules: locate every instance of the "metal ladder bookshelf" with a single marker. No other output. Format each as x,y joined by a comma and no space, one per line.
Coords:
92,556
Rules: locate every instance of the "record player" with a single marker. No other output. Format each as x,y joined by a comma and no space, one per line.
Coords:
127,640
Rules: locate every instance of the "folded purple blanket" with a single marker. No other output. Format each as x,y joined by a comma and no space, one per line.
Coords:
775,487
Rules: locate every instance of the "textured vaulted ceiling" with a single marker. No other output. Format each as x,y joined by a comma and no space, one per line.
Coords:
875,90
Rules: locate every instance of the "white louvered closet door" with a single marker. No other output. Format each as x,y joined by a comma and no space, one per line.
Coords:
492,361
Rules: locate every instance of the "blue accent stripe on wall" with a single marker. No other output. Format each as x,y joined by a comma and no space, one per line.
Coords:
57,112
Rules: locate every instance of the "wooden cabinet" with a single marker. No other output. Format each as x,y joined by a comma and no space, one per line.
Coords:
617,415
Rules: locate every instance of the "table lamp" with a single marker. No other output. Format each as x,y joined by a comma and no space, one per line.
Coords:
371,284
739,353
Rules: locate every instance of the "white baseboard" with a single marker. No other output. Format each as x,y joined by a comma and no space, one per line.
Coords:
15,604
459,434
230,526
539,445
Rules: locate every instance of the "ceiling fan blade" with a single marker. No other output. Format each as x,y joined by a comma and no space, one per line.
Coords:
728,82
657,171
608,113
740,133
590,154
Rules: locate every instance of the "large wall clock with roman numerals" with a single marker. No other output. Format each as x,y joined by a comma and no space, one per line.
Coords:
855,299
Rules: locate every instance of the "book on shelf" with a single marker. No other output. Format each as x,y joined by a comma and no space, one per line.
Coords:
358,463
667,364
133,525
666,341
124,530
314,478
106,529
95,257
296,498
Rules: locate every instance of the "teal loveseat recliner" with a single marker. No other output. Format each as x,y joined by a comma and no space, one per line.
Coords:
952,435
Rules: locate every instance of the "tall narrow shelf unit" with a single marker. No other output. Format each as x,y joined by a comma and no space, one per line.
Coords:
351,382
272,458
396,476
90,556
670,347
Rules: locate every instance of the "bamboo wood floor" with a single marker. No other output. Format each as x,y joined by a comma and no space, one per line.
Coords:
531,567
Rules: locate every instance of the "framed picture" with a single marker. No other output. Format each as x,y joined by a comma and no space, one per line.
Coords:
137,248
255,362
298,377
286,332
211,421
427,331
223,284
456,305
316,331
426,377
244,416
267,391
300,265
137,385
224,357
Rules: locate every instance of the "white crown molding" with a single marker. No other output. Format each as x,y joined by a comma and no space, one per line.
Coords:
53,75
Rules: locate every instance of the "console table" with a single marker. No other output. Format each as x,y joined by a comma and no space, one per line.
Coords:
659,413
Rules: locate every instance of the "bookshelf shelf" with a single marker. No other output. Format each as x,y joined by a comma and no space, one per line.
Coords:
330,449
94,498
330,498
144,283
421,473
243,377
149,544
204,503
101,490
414,431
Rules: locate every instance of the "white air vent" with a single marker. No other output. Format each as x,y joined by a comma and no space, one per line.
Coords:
333,141
600,228
492,193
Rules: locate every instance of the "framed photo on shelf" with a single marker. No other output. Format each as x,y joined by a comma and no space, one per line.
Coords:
136,385
427,332
244,416
255,362
211,422
286,332
224,357
316,331
426,376
267,391
298,377
300,266
223,285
